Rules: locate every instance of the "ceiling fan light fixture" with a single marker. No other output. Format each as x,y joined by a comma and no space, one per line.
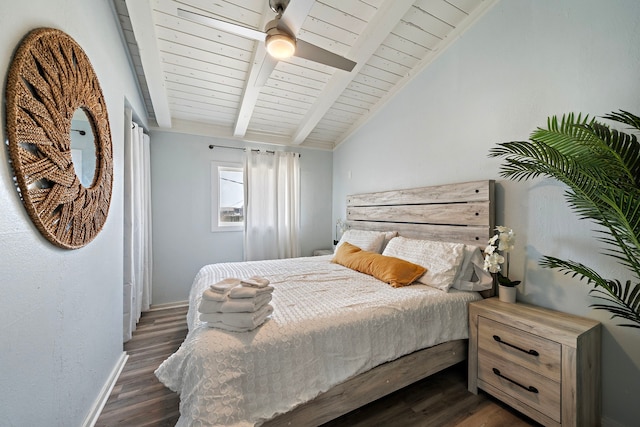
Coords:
280,46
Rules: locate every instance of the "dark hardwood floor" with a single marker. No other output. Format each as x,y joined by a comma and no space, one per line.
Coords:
139,399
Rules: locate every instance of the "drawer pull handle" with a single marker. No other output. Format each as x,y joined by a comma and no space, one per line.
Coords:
531,388
531,352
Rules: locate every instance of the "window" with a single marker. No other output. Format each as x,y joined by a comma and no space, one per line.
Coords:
227,201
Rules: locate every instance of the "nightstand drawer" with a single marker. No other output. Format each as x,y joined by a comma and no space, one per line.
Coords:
535,353
535,391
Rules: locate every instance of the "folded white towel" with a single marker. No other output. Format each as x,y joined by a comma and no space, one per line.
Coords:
224,285
210,295
256,281
241,321
220,325
248,291
240,305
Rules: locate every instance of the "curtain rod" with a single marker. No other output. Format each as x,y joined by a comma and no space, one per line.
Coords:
134,124
212,146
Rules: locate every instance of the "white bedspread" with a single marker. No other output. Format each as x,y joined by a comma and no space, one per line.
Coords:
329,324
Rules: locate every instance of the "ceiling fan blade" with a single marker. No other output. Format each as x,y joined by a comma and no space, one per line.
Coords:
267,66
236,29
317,54
303,49
294,15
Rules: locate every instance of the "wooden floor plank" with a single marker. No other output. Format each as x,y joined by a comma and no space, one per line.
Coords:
138,399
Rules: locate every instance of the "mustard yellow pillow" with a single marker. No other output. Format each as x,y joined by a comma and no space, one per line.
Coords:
394,271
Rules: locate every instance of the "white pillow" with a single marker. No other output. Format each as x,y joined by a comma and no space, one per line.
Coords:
388,235
472,275
441,259
366,240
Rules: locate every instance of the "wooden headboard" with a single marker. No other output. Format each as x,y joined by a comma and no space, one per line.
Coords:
461,213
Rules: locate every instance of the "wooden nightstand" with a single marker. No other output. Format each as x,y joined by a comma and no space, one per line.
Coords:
544,363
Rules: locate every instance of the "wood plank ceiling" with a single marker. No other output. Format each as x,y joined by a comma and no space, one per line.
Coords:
196,79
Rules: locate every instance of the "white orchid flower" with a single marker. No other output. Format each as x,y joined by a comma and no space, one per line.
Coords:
500,243
506,240
492,262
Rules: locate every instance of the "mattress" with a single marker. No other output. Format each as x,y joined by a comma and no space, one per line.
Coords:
329,324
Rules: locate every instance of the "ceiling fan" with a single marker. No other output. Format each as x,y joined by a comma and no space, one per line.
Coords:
280,42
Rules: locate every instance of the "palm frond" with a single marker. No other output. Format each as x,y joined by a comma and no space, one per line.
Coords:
622,300
563,135
624,117
574,269
601,168
626,150
595,146
632,147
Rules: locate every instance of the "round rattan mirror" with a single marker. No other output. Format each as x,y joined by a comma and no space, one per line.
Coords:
49,79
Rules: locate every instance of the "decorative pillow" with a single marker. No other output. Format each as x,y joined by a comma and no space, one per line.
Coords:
393,271
388,235
441,259
472,275
465,273
364,239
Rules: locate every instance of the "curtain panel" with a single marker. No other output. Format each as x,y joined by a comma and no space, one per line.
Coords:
272,205
137,228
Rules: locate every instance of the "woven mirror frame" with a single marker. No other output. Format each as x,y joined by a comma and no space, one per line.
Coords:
49,79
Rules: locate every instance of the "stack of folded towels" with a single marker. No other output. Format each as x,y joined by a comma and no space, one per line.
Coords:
237,305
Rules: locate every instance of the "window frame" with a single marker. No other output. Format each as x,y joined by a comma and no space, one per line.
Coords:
216,168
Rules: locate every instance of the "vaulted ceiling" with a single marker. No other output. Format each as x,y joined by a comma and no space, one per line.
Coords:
197,79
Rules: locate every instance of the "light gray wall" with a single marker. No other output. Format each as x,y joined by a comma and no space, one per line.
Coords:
181,205
523,61
61,310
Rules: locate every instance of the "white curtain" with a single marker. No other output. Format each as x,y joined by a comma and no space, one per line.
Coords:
272,205
137,227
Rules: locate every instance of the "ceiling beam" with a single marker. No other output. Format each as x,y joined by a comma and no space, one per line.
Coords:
254,81
141,16
385,20
263,65
252,91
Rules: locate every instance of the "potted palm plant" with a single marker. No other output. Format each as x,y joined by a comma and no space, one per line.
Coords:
601,168
496,254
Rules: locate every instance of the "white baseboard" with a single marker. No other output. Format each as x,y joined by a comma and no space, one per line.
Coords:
98,405
176,304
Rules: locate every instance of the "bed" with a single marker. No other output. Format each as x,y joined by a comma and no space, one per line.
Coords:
337,338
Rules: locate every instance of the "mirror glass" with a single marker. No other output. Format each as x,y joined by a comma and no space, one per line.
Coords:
83,148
